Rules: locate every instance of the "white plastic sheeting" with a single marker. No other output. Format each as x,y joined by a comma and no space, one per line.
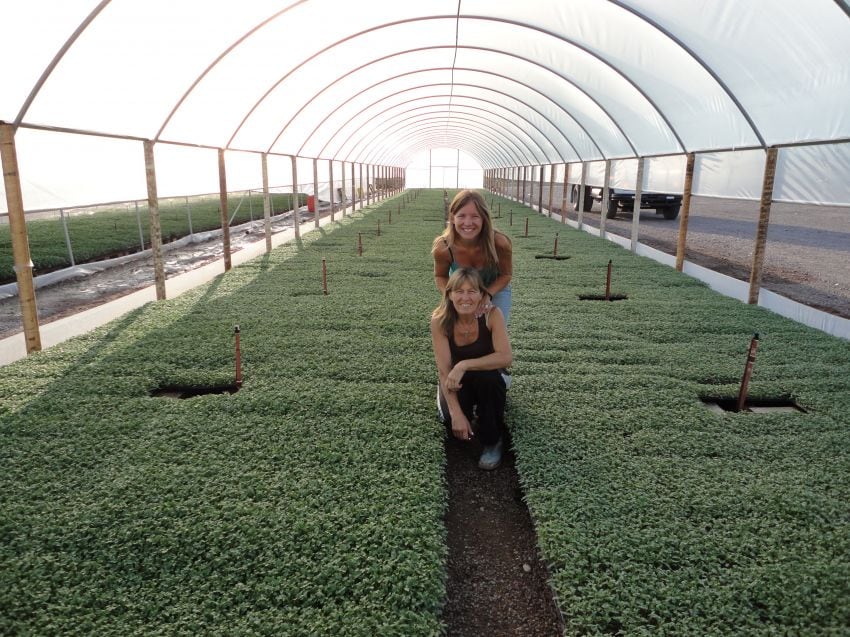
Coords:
510,83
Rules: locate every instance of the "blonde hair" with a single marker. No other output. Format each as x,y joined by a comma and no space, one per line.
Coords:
445,313
487,236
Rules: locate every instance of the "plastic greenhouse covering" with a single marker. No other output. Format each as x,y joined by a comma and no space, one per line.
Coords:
507,83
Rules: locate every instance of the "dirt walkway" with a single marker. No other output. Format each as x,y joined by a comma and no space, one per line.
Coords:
497,585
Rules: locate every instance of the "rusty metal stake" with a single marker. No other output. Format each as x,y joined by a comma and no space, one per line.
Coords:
359,244
238,358
526,226
511,218
379,227
555,251
324,277
390,217
748,372
500,210
608,282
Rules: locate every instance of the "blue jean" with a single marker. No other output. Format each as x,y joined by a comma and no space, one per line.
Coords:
502,300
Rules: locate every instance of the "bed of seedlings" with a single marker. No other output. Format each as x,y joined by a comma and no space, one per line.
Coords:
310,501
114,231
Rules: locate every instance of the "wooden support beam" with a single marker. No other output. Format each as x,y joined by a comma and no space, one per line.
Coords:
296,213
565,195
267,202
225,217
156,229
764,221
638,196
316,193
685,213
20,240
582,194
606,196
540,194
330,188
353,190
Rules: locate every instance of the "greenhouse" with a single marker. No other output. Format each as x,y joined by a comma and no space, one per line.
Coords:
217,383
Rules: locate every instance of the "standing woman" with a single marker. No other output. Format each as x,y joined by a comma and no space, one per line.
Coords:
470,241
470,349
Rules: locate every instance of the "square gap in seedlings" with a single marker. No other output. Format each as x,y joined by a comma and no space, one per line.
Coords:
721,405
181,392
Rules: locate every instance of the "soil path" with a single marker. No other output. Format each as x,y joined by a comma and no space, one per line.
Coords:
497,584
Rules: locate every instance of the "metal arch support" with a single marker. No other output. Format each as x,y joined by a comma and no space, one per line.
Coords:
454,84
383,157
436,132
456,17
350,72
477,99
476,124
508,134
468,110
427,124
55,61
439,141
699,61
430,139
215,62
485,88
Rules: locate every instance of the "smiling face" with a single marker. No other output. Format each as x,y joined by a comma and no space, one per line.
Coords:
467,222
465,297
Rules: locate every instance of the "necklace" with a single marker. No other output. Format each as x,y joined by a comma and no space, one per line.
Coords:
467,330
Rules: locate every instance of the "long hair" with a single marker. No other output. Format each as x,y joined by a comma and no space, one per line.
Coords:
445,313
487,236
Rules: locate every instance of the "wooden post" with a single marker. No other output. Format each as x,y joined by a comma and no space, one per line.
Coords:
606,195
267,202
551,186
324,277
748,372
353,190
565,194
540,194
156,230
638,196
368,192
238,357
316,194
581,193
225,219
20,241
685,213
523,185
516,180
764,220
330,186
296,214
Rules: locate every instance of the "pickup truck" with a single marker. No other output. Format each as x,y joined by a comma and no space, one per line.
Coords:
618,199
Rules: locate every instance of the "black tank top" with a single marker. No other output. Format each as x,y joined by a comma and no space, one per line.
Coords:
481,346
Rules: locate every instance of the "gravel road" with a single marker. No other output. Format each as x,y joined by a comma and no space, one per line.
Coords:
807,258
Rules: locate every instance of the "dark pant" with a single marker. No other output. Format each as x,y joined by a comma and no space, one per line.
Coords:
486,391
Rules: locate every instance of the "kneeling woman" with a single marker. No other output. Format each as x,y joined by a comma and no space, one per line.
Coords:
470,352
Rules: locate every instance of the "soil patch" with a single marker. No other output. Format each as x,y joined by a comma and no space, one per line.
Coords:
497,583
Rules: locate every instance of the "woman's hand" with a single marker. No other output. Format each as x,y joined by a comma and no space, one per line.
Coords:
484,305
461,429
455,376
